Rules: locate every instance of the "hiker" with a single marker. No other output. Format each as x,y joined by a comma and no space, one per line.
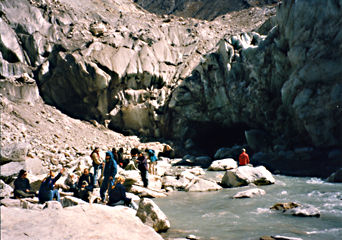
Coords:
142,166
97,161
117,195
85,185
153,161
116,157
22,188
123,162
167,152
109,173
243,158
46,190
71,183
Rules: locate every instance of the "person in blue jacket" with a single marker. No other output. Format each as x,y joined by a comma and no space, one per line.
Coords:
109,173
117,194
46,190
153,160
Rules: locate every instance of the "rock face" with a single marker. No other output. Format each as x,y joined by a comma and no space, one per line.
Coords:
204,9
184,79
245,175
271,84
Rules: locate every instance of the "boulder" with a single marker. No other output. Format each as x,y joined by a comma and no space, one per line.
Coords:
162,167
336,176
257,139
284,206
202,185
295,209
250,193
304,211
197,171
245,175
27,203
225,152
151,215
94,221
203,161
53,205
9,202
6,191
174,183
279,237
146,192
14,152
223,164
10,170
69,201
34,166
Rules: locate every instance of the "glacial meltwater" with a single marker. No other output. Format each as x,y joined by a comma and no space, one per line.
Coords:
215,215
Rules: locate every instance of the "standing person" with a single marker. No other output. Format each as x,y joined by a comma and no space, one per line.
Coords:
46,190
97,161
22,188
109,173
117,194
142,166
116,157
153,160
243,158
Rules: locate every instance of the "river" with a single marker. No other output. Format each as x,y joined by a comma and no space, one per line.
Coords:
215,215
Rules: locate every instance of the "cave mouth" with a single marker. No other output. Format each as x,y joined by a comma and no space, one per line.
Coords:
209,137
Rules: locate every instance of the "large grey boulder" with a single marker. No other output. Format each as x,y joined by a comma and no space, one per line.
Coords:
10,170
223,164
146,192
151,215
250,193
245,175
295,209
5,190
202,185
15,152
174,183
93,221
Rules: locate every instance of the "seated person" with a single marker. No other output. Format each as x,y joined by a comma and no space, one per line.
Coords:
167,152
117,194
22,188
85,185
70,183
46,190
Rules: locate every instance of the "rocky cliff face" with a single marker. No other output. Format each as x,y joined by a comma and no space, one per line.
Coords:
204,83
202,9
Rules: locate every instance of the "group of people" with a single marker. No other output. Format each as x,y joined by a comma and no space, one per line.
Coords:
107,182
87,181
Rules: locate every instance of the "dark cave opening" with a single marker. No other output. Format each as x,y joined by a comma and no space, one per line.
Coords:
209,137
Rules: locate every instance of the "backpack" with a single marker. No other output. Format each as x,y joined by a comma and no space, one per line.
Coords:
97,161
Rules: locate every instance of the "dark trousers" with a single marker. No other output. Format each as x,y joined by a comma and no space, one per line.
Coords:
144,177
23,194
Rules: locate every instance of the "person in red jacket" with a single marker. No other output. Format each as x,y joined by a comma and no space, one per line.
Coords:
243,158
